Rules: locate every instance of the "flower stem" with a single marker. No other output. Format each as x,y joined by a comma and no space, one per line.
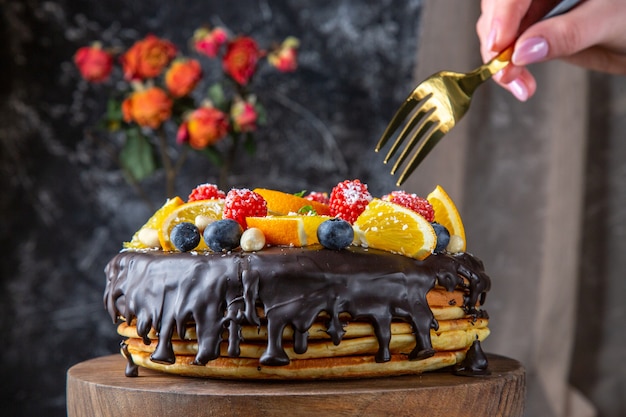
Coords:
170,169
226,167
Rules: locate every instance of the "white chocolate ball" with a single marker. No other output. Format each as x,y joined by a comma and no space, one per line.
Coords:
202,221
455,245
252,239
149,237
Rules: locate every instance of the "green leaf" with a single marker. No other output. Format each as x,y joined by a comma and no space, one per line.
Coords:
213,154
261,114
300,193
137,155
249,144
180,107
113,117
307,210
217,96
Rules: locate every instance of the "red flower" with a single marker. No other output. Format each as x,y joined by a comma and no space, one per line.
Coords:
244,116
285,58
147,58
241,58
94,63
204,127
183,76
149,107
209,42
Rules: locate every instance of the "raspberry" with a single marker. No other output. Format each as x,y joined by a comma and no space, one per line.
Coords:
348,200
318,196
241,203
412,201
206,192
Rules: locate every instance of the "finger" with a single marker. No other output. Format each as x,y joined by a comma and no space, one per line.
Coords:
600,59
570,33
505,20
523,86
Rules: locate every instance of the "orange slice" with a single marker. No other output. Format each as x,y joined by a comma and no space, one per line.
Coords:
280,203
294,230
188,212
388,226
446,213
153,223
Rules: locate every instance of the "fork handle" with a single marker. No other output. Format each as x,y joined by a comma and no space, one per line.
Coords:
560,8
504,57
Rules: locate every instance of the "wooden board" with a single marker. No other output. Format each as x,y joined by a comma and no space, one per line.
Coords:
98,387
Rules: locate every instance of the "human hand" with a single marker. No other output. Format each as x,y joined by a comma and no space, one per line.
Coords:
592,35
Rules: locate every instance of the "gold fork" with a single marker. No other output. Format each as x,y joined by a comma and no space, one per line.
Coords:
436,105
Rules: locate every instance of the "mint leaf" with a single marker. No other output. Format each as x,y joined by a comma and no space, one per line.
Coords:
307,210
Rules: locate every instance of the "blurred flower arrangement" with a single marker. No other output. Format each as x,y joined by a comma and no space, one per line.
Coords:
158,82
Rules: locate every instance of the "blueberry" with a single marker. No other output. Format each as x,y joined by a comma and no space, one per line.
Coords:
443,237
335,234
223,235
185,236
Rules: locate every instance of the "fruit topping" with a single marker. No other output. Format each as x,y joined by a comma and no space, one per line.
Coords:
153,222
447,215
293,230
443,237
206,192
388,226
319,197
241,203
280,203
335,234
223,235
456,244
412,201
252,239
399,222
210,210
149,237
348,199
185,236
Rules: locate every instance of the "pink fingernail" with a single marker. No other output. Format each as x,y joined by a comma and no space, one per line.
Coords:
518,89
493,35
530,51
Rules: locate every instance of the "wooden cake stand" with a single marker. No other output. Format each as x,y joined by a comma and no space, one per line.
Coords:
98,387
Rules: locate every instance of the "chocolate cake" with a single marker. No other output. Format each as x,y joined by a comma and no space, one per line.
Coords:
298,310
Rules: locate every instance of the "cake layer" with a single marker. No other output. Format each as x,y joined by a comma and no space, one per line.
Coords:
363,366
318,329
449,340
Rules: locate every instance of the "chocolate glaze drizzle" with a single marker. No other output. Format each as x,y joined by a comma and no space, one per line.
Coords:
167,291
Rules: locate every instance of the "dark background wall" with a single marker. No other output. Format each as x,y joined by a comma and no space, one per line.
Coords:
64,206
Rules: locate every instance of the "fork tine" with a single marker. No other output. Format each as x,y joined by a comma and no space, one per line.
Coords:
417,116
428,143
405,109
422,128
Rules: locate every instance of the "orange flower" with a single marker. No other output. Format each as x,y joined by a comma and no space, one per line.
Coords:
209,42
241,58
244,116
150,107
147,58
183,76
94,63
285,58
204,127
